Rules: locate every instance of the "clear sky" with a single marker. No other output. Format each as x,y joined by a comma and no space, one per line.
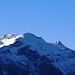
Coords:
51,19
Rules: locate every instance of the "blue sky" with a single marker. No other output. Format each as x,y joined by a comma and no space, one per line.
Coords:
51,19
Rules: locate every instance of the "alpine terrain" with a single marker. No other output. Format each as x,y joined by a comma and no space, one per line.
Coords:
28,54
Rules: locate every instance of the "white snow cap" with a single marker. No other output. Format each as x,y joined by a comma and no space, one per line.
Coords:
7,39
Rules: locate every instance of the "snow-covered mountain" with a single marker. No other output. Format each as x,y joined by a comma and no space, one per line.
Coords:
28,54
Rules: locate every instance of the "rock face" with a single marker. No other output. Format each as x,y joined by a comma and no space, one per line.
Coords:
28,54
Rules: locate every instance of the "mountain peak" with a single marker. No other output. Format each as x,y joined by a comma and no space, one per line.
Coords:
8,36
58,43
7,39
29,35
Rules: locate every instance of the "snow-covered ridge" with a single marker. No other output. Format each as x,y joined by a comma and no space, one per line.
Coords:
8,39
8,36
